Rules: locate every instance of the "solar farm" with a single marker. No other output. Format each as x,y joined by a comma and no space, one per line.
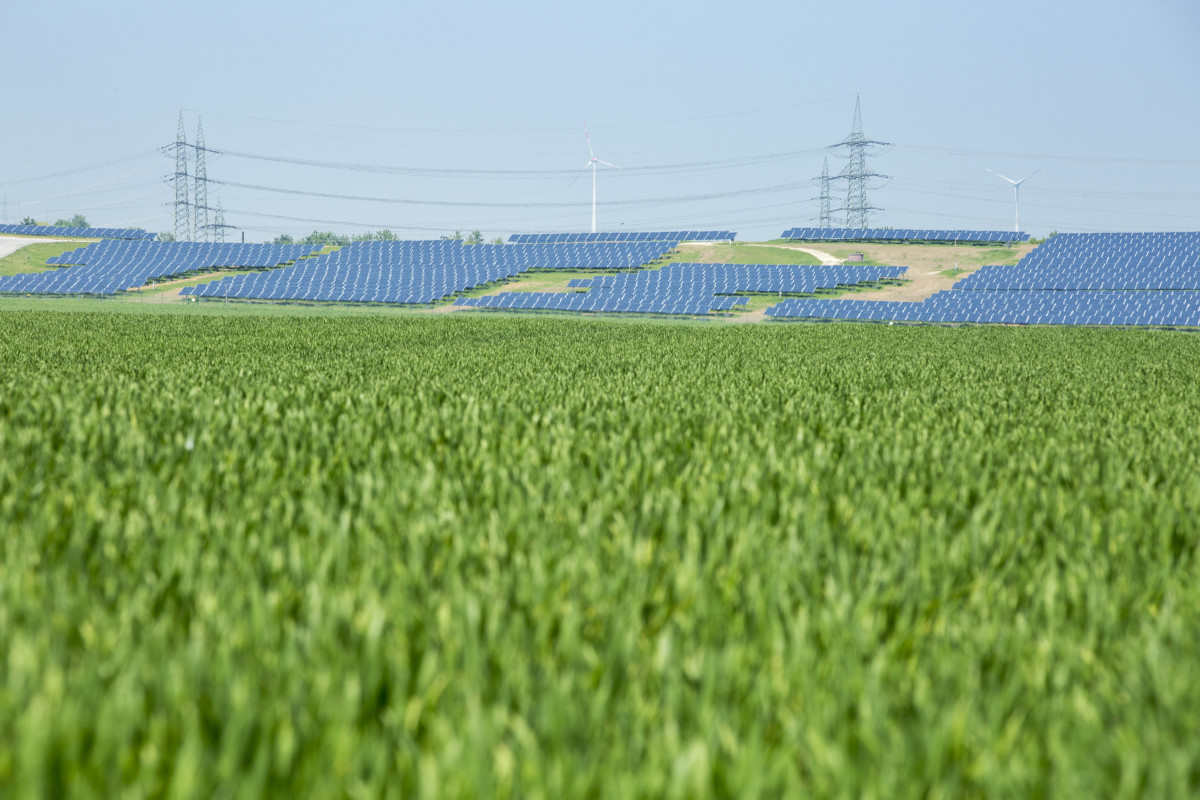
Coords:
535,519
1150,279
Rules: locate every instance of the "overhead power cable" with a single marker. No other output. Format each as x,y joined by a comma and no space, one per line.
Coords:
440,172
650,201
1045,157
77,170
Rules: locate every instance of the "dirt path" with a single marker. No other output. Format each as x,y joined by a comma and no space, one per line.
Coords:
826,259
921,284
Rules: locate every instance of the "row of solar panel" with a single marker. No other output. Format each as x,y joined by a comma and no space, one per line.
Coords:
688,289
608,303
317,283
729,278
81,233
1010,307
901,235
577,255
202,254
390,272
622,236
1099,262
1072,279
994,278
108,267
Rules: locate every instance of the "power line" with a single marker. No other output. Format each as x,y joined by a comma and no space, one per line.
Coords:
1045,157
77,170
782,187
444,172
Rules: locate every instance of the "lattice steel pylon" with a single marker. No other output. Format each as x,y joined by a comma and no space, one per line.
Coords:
826,214
182,206
857,173
219,225
201,226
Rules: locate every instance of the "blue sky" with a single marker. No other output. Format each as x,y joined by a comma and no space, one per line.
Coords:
469,115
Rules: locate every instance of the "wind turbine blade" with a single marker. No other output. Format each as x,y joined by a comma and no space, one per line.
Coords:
577,174
1030,175
998,175
589,140
605,163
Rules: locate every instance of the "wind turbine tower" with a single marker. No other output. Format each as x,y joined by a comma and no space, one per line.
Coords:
593,162
1016,195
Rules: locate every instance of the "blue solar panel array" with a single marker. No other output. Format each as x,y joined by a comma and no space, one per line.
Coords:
1073,279
82,233
622,236
689,289
421,271
115,266
902,235
177,257
1011,307
1099,261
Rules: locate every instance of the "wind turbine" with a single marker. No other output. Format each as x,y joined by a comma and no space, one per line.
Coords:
1016,195
592,162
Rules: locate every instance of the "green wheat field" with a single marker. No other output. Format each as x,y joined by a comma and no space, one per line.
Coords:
446,556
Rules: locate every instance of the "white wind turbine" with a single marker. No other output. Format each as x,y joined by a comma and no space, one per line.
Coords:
592,162
1016,195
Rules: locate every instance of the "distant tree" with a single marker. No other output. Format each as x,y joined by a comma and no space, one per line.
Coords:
284,238
498,240
166,237
77,221
457,237
386,236
476,237
29,221
325,238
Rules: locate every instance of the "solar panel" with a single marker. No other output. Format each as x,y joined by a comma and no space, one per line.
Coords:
73,232
900,235
623,236
1072,279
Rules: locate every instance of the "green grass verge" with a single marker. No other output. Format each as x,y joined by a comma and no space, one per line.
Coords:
737,253
328,555
32,257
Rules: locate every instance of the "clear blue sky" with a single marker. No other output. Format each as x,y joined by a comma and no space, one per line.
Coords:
489,101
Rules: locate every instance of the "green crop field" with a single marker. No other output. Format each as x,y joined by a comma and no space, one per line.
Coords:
476,556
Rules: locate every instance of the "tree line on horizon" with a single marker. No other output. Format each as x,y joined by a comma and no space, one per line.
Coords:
326,238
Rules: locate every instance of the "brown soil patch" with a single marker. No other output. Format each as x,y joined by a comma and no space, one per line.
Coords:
925,265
